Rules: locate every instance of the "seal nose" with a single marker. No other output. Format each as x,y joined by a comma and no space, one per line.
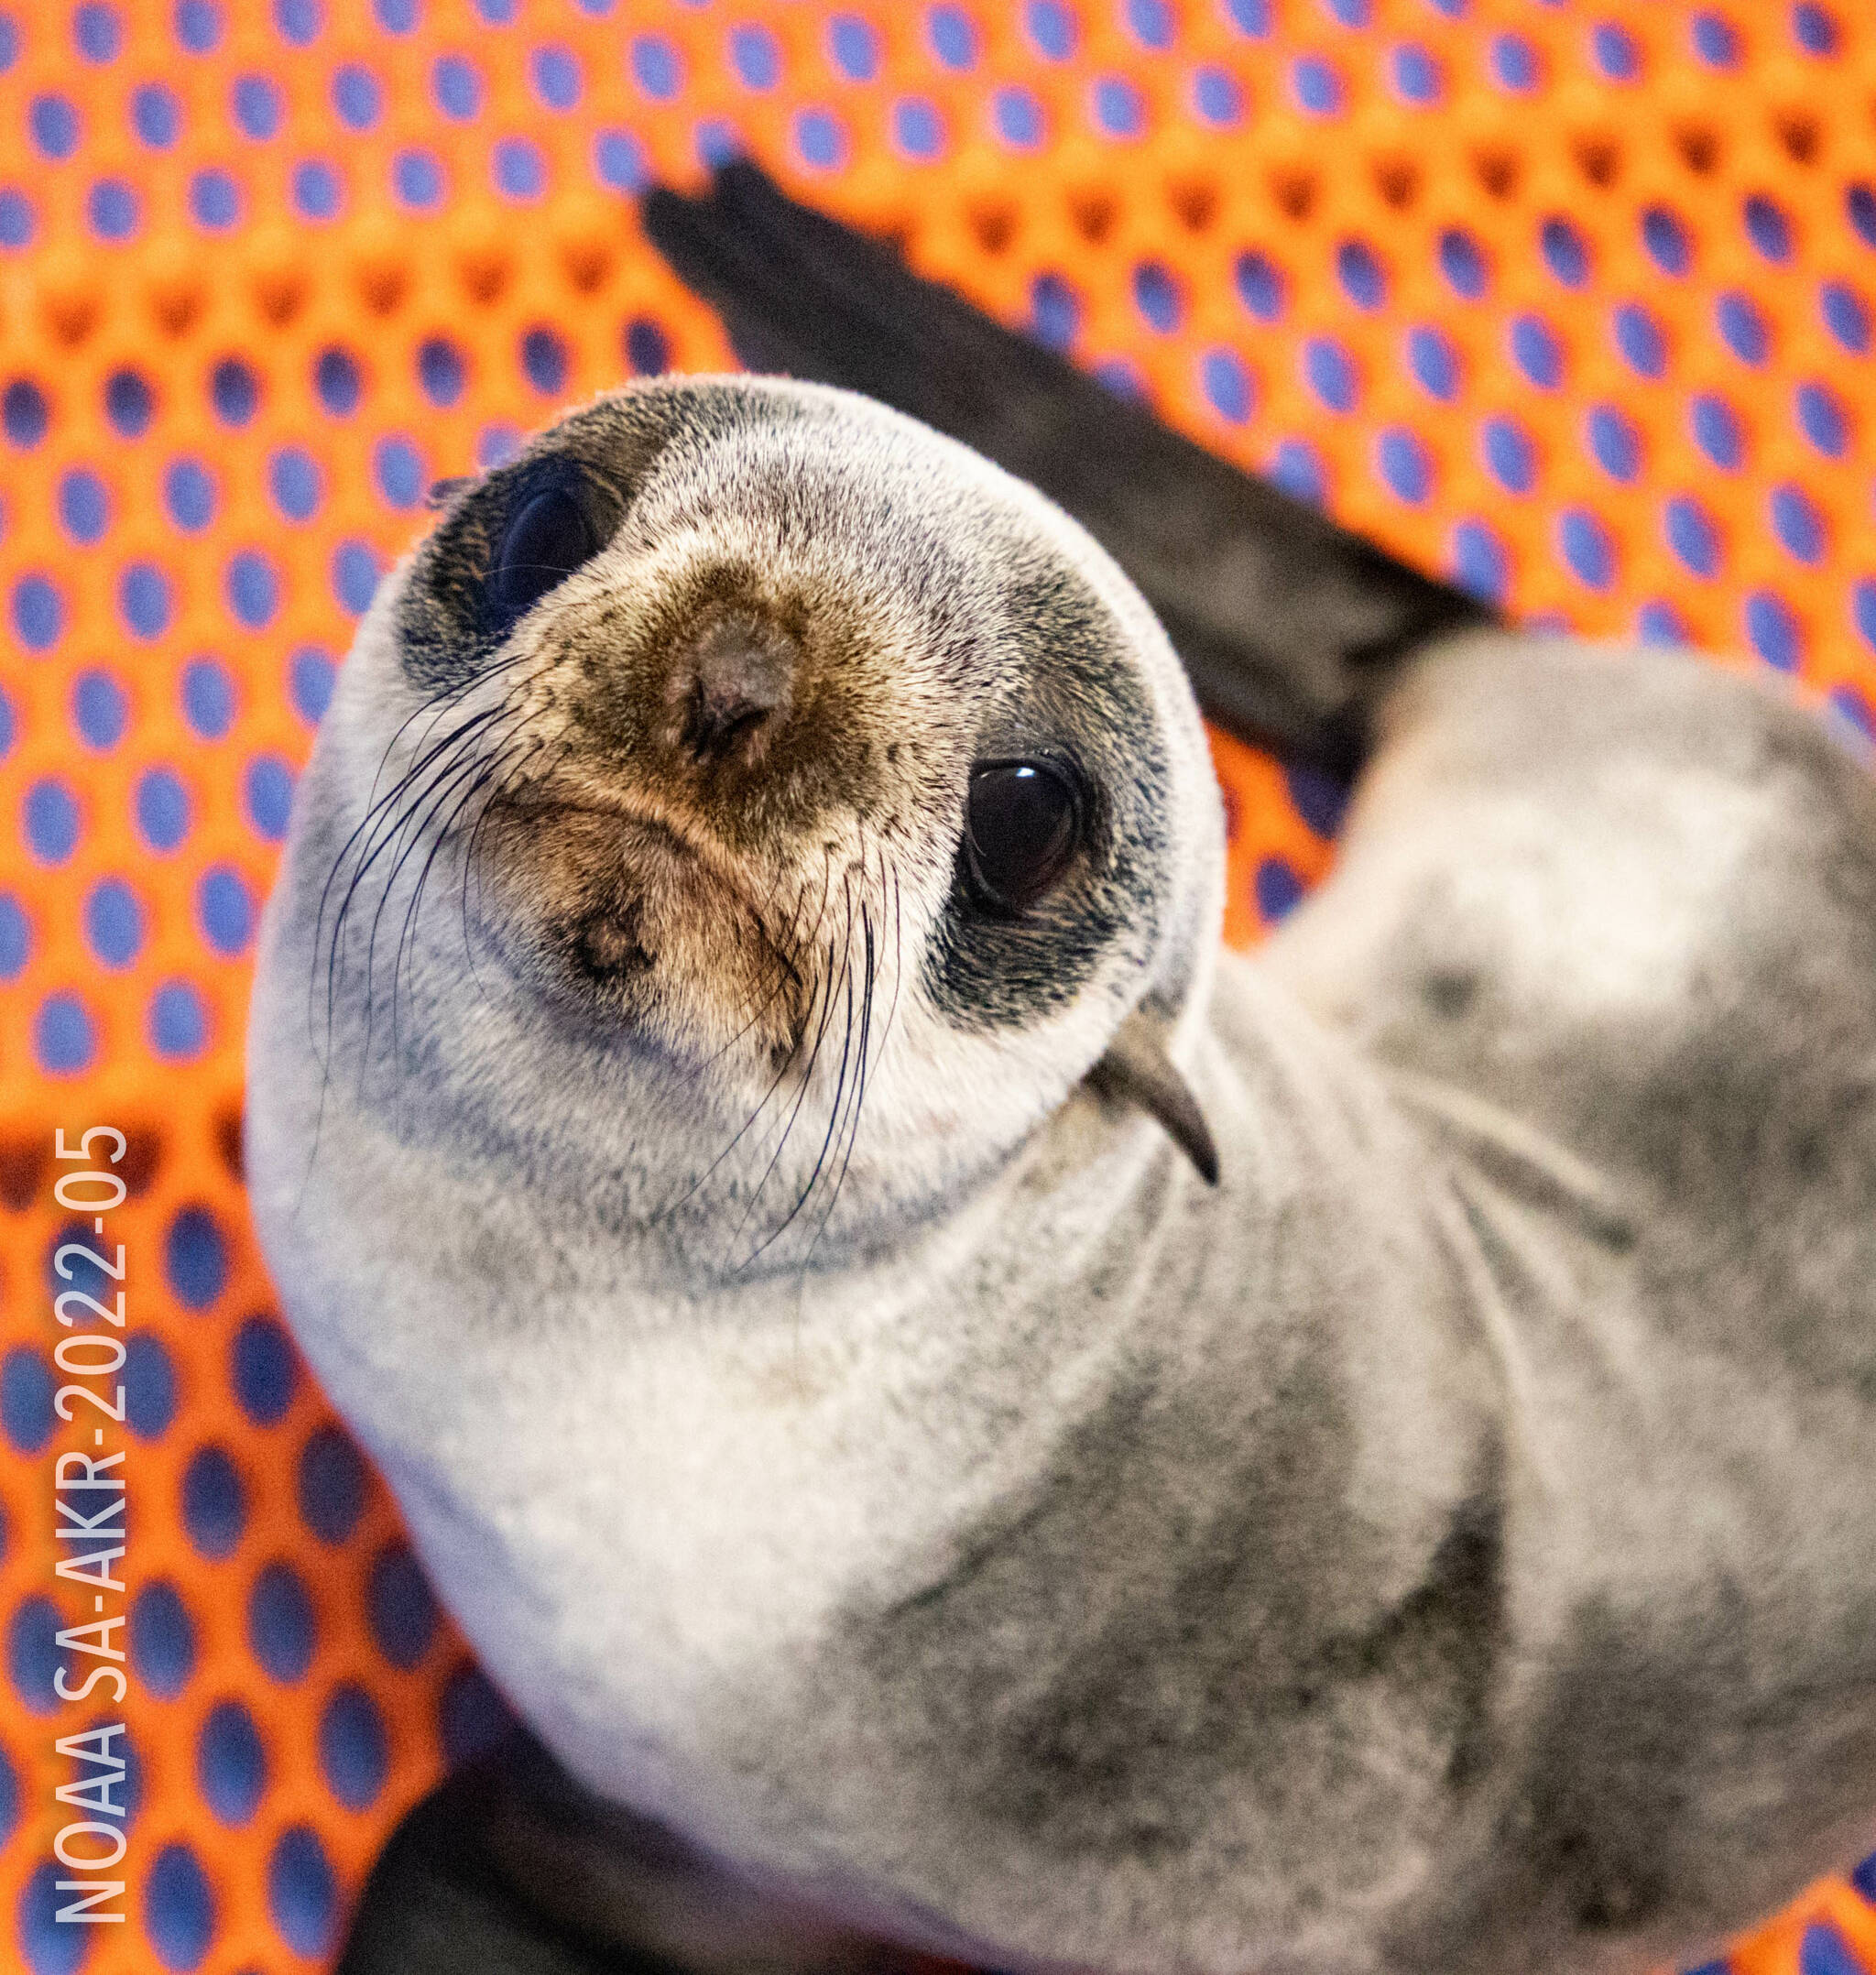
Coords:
733,689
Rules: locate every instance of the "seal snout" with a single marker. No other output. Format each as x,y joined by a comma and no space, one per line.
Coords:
732,688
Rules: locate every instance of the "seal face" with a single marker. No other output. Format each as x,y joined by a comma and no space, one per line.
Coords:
736,722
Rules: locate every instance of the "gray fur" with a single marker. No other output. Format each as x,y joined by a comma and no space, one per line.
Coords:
1447,1544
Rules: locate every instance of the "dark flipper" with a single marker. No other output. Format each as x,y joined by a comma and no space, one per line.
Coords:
1285,622
437,1903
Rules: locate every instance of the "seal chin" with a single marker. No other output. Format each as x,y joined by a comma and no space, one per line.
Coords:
624,920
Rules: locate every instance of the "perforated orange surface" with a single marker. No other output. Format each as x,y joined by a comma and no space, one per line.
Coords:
1574,300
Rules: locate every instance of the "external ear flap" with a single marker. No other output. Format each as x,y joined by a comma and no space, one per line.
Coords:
1137,1070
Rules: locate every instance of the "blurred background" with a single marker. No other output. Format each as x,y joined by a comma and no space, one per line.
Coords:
1572,302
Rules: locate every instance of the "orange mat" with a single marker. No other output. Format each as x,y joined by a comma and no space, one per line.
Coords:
1574,300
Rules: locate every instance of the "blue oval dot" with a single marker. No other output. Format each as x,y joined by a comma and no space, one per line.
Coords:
142,600
189,493
1586,547
149,1385
331,1485
354,1749
225,908
917,128
50,815
263,1369
26,1398
1330,373
1462,262
33,1654
302,1894
1260,286
179,1910
1822,1950
1320,800
1742,327
1692,535
656,68
336,379
230,1764
1774,631
267,789
354,576
1768,227
294,480
1845,316
1317,85
1716,431
129,403
23,413
1614,51
1640,339
440,371
1510,455
647,350
1363,278
234,391
555,73
53,122
1714,40
1051,28
280,1625
1659,623
401,1608
99,710
1404,465
114,923
356,96
215,1504
1666,241
97,32
207,698
1433,362
1276,887
1226,384
1822,419
63,1038
1537,351
38,613
178,1022
252,589
1797,523
1416,73
618,161
1814,28
195,1258
1859,206
318,191
162,809
161,1640
544,360
49,1948
256,102
310,675
1054,311
397,467
1216,97
155,114
1296,467
1564,252
1614,442
15,938
1156,295
18,221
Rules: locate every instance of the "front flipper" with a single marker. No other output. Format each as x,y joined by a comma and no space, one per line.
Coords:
1286,623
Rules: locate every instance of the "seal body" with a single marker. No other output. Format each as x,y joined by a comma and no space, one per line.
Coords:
855,1442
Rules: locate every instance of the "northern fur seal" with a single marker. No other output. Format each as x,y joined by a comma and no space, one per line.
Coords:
866,1448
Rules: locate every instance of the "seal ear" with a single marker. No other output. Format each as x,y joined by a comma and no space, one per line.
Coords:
1137,1070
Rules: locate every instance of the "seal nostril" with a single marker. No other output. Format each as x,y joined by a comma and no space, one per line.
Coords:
737,687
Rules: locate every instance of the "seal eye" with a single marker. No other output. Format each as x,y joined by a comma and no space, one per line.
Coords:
547,539
1021,822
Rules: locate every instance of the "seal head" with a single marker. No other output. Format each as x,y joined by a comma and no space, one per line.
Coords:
734,730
